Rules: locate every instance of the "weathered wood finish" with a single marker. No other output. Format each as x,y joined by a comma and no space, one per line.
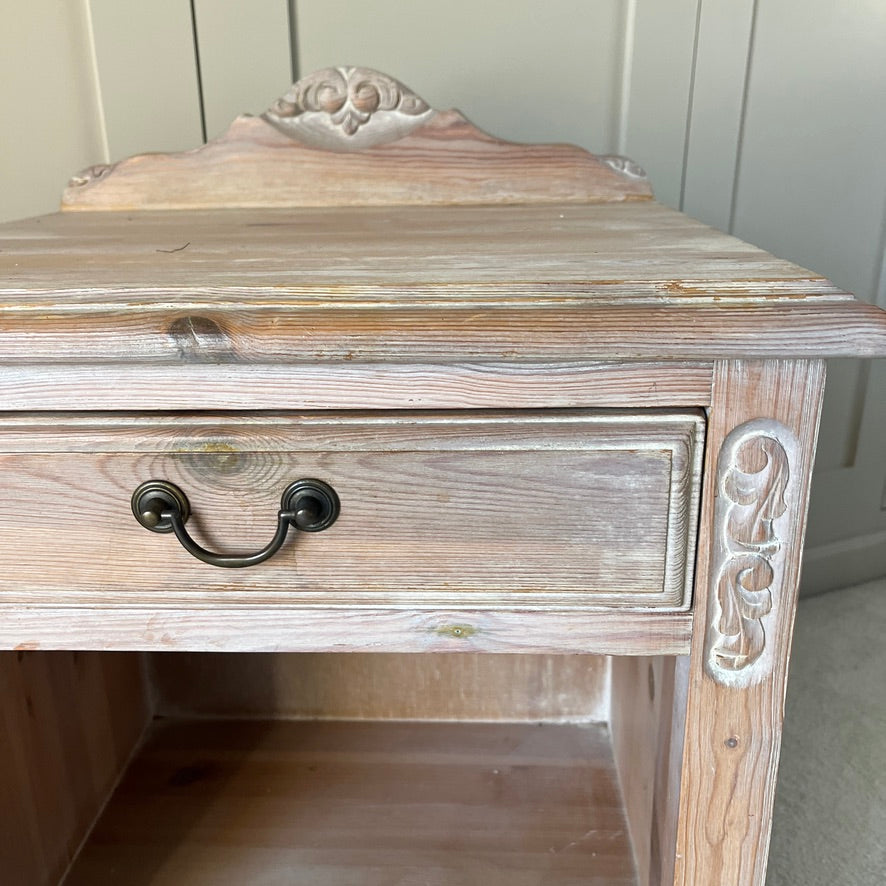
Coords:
379,686
499,511
241,306
733,726
247,386
68,725
363,804
639,254
181,309
643,713
355,249
666,799
354,137
570,334
297,629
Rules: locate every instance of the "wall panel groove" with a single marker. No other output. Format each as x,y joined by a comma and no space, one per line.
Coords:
627,65
148,75
661,74
689,103
196,37
245,57
749,57
716,119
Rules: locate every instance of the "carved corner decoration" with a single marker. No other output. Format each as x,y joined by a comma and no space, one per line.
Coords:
625,166
752,538
348,109
89,175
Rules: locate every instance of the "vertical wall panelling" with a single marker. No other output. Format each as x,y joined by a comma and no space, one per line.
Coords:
714,133
811,187
96,81
245,60
812,181
197,70
848,545
48,103
148,75
629,28
872,436
520,69
663,46
295,69
872,442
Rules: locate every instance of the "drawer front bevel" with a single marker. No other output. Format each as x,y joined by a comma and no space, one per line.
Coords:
549,509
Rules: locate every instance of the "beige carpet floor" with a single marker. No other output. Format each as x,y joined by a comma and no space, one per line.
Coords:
829,827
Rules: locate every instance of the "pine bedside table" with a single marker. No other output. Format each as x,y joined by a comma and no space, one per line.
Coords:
359,378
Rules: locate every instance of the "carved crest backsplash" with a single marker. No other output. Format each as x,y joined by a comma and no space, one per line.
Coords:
352,136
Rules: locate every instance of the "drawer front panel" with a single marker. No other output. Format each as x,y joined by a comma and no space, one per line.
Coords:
550,509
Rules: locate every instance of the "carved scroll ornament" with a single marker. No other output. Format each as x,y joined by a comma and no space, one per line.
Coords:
624,165
348,109
750,545
89,175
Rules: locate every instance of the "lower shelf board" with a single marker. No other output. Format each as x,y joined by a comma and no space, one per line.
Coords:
279,803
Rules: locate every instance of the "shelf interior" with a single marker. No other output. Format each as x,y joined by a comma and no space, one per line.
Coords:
276,802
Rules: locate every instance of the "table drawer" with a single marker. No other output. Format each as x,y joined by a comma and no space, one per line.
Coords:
480,510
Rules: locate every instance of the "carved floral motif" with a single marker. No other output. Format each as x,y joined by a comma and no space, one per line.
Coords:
753,478
349,99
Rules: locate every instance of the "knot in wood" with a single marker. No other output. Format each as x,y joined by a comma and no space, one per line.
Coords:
201,340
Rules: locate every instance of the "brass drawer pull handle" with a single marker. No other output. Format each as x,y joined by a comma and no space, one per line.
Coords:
308,505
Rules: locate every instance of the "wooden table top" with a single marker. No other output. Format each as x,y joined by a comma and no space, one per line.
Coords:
555,282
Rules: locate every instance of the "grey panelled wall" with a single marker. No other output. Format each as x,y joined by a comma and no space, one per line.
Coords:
149,85
52,123
244,49
811,186
759,116
521,69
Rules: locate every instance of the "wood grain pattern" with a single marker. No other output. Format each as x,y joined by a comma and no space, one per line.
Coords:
640,722
666,799
733,733
394,256
355,386
356,686
356,249
403,286
351,137
291,629
495,511
571,334
358,804
68,724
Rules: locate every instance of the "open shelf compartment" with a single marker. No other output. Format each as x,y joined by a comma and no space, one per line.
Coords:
400,769
368,803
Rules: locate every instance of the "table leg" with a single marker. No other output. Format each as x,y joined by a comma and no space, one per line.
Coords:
762,429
